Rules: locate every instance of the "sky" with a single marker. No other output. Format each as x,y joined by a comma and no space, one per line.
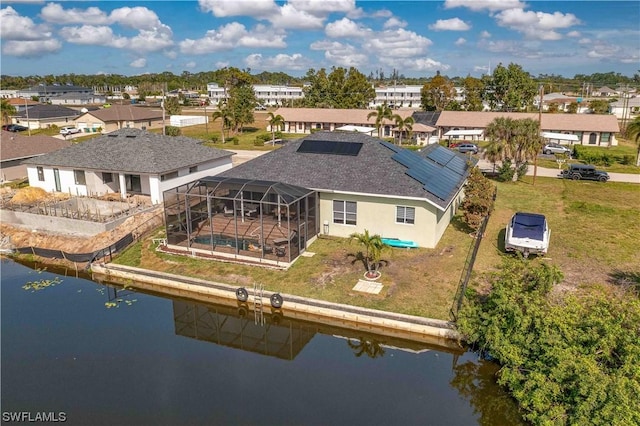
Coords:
417,38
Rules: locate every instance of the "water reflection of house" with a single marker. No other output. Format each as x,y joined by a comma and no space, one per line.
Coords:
223,325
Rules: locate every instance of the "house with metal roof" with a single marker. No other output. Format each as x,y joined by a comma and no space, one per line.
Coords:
590,129
16,148
335,183
127,161
120,117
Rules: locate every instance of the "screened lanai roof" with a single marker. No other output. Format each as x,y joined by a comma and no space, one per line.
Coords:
287,194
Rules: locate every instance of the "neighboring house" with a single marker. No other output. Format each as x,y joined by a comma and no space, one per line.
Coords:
625,108
560,99
267,94
604,91
332,183
8,94
49,93
15,148
78,99
42,116
21,104
120,117
591,129
127,161
397,96
308,120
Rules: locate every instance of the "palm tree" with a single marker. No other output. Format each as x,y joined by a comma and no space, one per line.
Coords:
362,346
7,111
373,246
381,113
494,152
403,124
223,114
633,132
275,122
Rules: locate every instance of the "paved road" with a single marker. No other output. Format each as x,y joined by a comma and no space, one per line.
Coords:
545,172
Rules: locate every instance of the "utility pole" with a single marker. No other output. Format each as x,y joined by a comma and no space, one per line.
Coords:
164,128
535,159
26,108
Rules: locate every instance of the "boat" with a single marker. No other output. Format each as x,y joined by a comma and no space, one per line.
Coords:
395,242
527,233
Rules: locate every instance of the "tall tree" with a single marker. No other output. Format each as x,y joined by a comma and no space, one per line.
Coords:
510,88
225,117
599,106
341,88
172,105
473,93
403,124
7,111
381,113
275,122
520,139
633,133
437,94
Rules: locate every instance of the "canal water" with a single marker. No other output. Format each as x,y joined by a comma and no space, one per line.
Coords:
102,355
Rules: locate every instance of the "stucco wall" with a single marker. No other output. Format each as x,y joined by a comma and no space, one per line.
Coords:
378,216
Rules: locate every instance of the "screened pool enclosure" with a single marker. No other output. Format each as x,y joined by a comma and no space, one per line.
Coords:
253,220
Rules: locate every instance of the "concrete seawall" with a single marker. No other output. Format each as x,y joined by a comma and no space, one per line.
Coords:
432,331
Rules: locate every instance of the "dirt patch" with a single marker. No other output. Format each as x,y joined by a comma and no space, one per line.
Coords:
139,224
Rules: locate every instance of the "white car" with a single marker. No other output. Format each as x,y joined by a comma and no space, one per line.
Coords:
554,148
69,130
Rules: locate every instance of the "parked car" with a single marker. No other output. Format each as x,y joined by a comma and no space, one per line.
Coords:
14,128
527,233
556,148
584,171
69,130
468,147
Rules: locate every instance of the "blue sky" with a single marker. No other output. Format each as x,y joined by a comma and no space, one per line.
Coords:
418,38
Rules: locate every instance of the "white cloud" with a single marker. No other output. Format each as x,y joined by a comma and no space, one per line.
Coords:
574,34
397,43
341,54
418,64
290,17
231,36
485,34
394,22
30,49
190,64
55,13
345,28
139,63
461,41
138,18
222,64
16,27
453,24
584,41
536,25
480,68
490,5
93,35
221,9
281,61
324,7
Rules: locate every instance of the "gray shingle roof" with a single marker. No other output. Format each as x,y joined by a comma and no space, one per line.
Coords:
372,171
133,151
40,111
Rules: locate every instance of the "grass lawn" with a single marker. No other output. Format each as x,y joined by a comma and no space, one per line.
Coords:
594,238
416,281
595,227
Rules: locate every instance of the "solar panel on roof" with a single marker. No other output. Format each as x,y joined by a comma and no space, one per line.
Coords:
441,156
329,147
458,165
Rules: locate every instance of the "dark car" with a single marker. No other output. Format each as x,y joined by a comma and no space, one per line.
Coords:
14,128
468,147
584,171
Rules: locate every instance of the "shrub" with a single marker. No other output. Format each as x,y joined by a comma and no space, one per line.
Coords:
233,140
505,172
258,142
215,139
172,131
627,160
522,170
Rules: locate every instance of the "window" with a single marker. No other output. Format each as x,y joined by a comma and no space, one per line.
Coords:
193,169
107,177
79,177
405,215
40,174
168,176
604,137
345,212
